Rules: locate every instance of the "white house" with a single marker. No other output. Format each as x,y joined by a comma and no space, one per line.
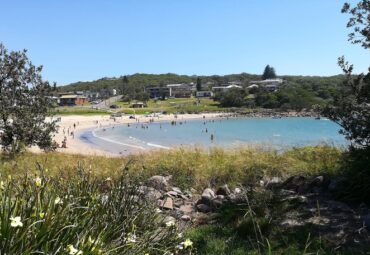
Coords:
269,84
226,88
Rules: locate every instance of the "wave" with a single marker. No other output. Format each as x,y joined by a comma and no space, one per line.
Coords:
113,141
158,146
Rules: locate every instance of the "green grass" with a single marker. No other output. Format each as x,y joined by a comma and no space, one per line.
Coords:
195,168
76,110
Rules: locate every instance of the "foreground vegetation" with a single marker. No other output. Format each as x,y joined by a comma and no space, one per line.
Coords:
82,222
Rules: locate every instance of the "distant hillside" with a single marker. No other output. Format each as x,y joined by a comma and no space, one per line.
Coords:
147,80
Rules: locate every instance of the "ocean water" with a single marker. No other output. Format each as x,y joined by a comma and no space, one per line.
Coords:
277,133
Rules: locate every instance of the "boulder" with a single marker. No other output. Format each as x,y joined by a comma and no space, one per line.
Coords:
186,209
294,183
177,190
203,208
207,196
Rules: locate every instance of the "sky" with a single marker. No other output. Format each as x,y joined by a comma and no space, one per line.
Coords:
80,40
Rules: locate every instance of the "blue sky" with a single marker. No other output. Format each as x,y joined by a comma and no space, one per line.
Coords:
77,40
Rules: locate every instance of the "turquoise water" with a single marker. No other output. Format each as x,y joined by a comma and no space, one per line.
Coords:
279,133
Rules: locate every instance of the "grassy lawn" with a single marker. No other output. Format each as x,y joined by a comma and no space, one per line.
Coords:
76,110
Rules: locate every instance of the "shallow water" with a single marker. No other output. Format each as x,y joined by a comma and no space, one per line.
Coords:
278,133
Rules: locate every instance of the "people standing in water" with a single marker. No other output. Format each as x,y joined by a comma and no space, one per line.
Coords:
212,137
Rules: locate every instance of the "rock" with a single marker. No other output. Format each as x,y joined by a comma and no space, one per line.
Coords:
237,190
223,190
153,195
208,193
321,221
296,198
294,183
167,203
285,192
203,208
273,182
172,193
158,182
186,209
207,197
288,223
185,218
169,220
177,190
217,203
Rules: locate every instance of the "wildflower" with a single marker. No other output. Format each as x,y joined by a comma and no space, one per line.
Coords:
179,235
108,179
179,246
38,181
157,210
58,201
170,223
72,250
41,215
187,243
16,222
131,238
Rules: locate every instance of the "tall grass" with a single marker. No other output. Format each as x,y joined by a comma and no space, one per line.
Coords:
80,214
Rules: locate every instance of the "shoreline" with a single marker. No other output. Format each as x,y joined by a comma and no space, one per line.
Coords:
79,124
72,128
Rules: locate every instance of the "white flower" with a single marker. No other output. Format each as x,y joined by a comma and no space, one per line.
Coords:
170,223
72,250
38,181
131,238
16,222
179,235
58,201
2,186
108,179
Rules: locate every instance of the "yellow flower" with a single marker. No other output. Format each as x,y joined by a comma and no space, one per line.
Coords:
42,215
72,250
16,222
38,181
187,243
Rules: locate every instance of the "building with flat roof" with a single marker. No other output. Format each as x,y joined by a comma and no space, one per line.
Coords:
225,88
72,100
269,84
181,90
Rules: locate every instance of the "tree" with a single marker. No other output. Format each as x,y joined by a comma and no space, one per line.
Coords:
268,73
124,85
199,84
351,108
24,103
360,22
232,98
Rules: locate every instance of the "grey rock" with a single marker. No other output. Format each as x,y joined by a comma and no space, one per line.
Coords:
208,193
153,195
186,209
217,203
185,218
177,190
203,208
288,223
237,190
172,193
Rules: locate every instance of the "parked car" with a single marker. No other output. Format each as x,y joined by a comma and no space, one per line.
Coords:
114,106
131,117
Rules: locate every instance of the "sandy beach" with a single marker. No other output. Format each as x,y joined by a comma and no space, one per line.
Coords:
69,126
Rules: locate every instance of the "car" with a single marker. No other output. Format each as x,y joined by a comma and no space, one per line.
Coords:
114,106
131,117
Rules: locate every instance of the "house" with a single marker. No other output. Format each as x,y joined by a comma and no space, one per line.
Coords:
158,92
181,90
138,105
72,100
225,88
204,94
269,84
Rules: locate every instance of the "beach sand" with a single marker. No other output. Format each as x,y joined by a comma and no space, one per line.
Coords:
78,124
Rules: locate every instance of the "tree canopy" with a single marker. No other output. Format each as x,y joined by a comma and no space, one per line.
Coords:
24,103
268,73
